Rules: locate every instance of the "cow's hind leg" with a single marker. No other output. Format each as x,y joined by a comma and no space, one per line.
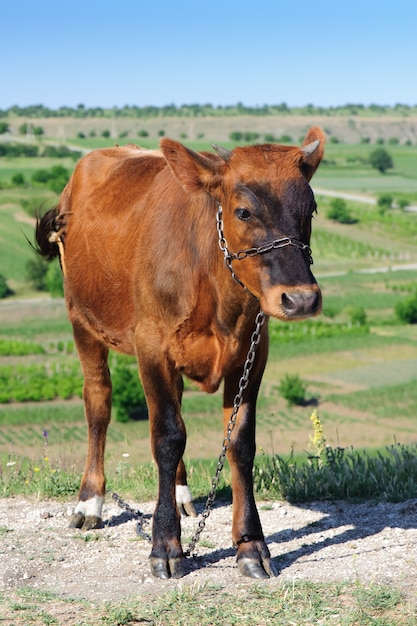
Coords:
182,492
97,402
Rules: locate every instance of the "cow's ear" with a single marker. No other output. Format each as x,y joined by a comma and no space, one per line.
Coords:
193,170
312,151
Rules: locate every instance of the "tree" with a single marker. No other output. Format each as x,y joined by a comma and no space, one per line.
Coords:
54,281
339,212
18,180
4,288
381,160
36,270
406,309
128,395
384,202
4,127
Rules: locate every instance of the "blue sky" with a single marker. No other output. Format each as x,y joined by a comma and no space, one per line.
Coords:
156,52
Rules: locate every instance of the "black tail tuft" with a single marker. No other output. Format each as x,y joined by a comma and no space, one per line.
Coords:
45,226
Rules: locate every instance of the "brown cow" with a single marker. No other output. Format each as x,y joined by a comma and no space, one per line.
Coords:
138,233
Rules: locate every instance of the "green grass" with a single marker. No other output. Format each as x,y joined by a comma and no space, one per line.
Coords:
299,603
385,400
345,169
14,249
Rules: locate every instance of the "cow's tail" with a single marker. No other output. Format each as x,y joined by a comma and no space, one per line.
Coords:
50,236
45,234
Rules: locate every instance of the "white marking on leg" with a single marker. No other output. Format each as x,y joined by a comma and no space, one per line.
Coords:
183,494
90,508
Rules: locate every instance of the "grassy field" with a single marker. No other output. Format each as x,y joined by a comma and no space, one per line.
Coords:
363,384
357,381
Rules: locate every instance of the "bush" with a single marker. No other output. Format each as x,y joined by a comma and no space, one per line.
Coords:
128,395
55,178
18,180
54,281
339,212
36,270
381,160
14,347
293,389
340,473
402,203
406,309
4,288
384,202
249,136
14,150
357,315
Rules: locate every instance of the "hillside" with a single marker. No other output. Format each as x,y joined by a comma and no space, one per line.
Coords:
346,129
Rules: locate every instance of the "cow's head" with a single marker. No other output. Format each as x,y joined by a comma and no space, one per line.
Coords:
266,198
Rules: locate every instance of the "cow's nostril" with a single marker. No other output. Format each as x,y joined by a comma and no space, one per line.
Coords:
300,304
288,303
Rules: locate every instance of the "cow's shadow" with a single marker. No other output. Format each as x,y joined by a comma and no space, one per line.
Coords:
362,520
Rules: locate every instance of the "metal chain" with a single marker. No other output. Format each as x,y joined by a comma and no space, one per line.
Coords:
250,252
139,515
243,383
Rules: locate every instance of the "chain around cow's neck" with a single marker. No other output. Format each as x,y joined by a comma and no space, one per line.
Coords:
243,383
237,402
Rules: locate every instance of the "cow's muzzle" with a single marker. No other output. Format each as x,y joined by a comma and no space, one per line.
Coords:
300,304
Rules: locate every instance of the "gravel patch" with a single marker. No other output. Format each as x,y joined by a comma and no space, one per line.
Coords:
318,542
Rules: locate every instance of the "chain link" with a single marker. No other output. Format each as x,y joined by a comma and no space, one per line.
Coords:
250,252
136,514
243,383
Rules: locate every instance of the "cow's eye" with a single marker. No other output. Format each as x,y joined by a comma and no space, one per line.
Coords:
242,214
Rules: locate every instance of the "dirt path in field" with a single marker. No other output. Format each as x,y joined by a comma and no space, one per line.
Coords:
318,542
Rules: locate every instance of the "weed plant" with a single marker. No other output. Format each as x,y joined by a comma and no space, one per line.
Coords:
325,473
338,473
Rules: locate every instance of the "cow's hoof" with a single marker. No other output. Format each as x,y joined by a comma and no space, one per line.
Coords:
89,522
77,520
187,509
252,568
163,569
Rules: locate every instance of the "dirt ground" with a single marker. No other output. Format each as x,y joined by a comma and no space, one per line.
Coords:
319,542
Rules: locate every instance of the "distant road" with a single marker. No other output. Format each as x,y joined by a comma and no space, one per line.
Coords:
353,197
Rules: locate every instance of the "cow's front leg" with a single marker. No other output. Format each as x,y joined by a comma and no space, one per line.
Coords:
253,556
97,403
163,390
168,444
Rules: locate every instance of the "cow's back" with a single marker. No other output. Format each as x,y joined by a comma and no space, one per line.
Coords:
103,202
